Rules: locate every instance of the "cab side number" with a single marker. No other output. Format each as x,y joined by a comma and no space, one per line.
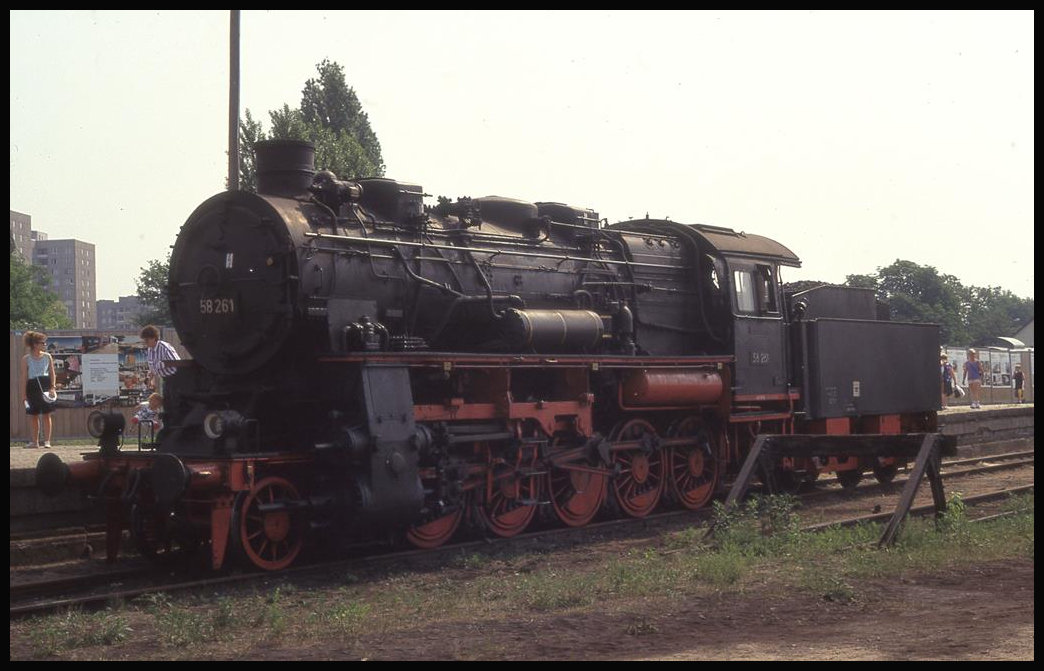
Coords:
759,358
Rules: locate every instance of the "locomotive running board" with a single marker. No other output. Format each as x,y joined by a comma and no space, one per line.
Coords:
928,448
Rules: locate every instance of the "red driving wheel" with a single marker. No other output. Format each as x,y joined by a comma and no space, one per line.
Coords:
638,482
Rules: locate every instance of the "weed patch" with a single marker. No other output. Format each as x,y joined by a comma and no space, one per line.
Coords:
75,629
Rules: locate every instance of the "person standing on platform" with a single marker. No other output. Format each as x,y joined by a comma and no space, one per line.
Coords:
973,378
38,373
949,379
158,353
1019,378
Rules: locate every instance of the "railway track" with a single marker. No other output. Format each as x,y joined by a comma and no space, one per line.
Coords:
93,535
957,468
99,587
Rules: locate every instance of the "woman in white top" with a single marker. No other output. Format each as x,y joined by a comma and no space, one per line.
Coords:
38,373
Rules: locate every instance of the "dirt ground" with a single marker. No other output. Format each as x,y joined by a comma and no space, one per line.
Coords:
984,613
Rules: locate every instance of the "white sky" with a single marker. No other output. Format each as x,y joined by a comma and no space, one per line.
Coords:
853,138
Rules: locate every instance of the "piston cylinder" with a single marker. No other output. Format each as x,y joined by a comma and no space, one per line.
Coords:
670,387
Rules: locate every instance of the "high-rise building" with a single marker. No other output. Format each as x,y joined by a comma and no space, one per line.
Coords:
21,235
119,315
70,264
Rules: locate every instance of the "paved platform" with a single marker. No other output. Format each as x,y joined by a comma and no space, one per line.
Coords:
22,457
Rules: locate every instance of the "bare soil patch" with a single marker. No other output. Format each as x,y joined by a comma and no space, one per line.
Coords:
983,612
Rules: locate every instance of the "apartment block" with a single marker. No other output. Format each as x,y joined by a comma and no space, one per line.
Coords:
119,315
71,266
21,235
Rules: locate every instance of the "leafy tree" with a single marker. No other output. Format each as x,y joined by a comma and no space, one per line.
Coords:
965,315
995,312
916,293
32,305
862,281
331,117
152,291
330,103
250,131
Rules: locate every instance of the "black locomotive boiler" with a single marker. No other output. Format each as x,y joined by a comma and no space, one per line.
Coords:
367,366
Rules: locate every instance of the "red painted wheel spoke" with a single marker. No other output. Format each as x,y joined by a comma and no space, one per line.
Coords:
507,505
638,483
438,530
694,470
575,496
507,515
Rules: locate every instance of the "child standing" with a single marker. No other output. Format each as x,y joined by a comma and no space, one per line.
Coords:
148,415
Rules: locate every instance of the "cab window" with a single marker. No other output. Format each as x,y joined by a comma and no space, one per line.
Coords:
755,290
766,289
743,281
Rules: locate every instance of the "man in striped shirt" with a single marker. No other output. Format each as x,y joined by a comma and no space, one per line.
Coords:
157,353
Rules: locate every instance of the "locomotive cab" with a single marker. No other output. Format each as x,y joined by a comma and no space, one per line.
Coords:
759,337
758,334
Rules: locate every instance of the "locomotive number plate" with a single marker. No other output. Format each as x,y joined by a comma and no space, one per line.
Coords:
217,306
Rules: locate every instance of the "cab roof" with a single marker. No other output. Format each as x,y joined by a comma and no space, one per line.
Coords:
724,241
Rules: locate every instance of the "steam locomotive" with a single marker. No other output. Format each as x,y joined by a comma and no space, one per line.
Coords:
367,366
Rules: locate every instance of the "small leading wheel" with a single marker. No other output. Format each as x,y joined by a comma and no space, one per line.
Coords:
437,530
157,538
267,534
693,469
885,473
850,479
787,481
576,495
510,503
638,482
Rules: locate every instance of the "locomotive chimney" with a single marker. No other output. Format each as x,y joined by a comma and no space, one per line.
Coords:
284,167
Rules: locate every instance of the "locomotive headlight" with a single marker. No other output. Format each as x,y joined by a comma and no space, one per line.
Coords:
104,424
214,425
107,427
221,423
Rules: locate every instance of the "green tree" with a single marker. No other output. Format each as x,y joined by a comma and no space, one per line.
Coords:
965,315
152,291
330,103
916,293
862,281
32,305
331,117
995,312
250,131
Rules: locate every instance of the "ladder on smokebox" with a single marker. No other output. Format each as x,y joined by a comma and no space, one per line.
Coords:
929,448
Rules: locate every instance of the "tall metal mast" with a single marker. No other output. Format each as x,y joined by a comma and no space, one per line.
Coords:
233,102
